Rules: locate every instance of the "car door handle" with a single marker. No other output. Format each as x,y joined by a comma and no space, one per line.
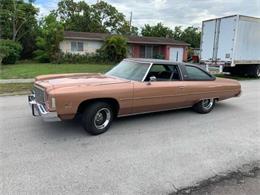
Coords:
181,87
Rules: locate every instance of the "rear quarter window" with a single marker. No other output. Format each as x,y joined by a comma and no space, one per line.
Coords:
195,73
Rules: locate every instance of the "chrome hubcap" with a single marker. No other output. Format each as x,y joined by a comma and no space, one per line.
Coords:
208,103
102,118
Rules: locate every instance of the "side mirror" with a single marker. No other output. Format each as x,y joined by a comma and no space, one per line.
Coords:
152,78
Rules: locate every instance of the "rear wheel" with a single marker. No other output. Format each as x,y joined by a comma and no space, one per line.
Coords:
97,117
237,72
204,106
245,70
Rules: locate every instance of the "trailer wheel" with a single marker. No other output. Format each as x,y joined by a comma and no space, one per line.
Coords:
255,71
237,71
246,70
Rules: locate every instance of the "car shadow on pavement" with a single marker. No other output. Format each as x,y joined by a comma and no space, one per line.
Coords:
220,107
68,128
73,128
149,121
227,107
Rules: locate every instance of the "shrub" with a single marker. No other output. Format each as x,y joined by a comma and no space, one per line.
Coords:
80,59
159,56
114,48
9,51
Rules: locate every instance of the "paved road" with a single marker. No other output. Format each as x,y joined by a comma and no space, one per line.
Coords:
243,186
149,154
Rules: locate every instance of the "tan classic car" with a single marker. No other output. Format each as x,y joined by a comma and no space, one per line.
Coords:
133,86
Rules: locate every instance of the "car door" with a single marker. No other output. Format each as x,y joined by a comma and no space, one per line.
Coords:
198,85
163,94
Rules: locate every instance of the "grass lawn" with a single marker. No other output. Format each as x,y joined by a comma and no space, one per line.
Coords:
30,70
15,87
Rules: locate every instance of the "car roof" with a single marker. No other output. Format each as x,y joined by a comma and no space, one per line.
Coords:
158,61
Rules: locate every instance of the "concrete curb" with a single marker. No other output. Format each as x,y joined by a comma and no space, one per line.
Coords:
15,93
6,81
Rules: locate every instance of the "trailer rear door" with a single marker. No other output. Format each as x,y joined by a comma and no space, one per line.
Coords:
207,40
226,38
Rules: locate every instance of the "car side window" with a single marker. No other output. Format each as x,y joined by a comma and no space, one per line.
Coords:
176,76
195,73
158,68
163,72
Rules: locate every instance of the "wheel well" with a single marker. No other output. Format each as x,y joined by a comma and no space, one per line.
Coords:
113,102
215,98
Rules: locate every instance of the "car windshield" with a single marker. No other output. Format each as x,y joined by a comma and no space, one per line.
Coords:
129,70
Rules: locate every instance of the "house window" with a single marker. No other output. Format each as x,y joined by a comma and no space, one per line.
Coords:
77,46
147,51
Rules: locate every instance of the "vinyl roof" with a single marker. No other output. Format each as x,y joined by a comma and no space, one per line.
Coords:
155,61
130,39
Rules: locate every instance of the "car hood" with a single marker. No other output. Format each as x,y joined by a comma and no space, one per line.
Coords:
69,80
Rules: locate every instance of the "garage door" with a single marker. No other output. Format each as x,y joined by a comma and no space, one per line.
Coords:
176,54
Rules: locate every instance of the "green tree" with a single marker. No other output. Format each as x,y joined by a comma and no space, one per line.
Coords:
18,18
159,30
107,17
76,16
18,22
126,29
191,35
177,32
115,48
99,17
50,36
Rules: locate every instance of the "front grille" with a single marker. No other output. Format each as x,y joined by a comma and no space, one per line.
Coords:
39,94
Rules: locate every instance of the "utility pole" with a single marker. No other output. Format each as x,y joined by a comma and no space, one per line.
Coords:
130,22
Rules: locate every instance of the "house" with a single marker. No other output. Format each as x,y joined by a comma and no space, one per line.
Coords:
138,47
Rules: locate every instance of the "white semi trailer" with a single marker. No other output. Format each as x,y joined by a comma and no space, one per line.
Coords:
232,43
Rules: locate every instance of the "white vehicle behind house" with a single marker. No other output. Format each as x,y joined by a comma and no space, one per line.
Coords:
232,43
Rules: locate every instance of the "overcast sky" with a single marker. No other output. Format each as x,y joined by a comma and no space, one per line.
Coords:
172,12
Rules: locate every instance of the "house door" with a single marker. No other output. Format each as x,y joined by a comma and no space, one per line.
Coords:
176,54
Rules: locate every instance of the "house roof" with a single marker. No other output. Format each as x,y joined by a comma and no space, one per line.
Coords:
155,40
130,39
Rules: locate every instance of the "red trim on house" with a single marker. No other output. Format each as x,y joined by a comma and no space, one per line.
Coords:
163,49
185,53
136,51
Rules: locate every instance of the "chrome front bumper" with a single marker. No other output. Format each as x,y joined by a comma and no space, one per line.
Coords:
40,110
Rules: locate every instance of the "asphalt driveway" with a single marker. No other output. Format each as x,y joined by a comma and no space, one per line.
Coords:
148,154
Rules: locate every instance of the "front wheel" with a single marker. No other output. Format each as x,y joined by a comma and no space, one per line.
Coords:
204,106
97,118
